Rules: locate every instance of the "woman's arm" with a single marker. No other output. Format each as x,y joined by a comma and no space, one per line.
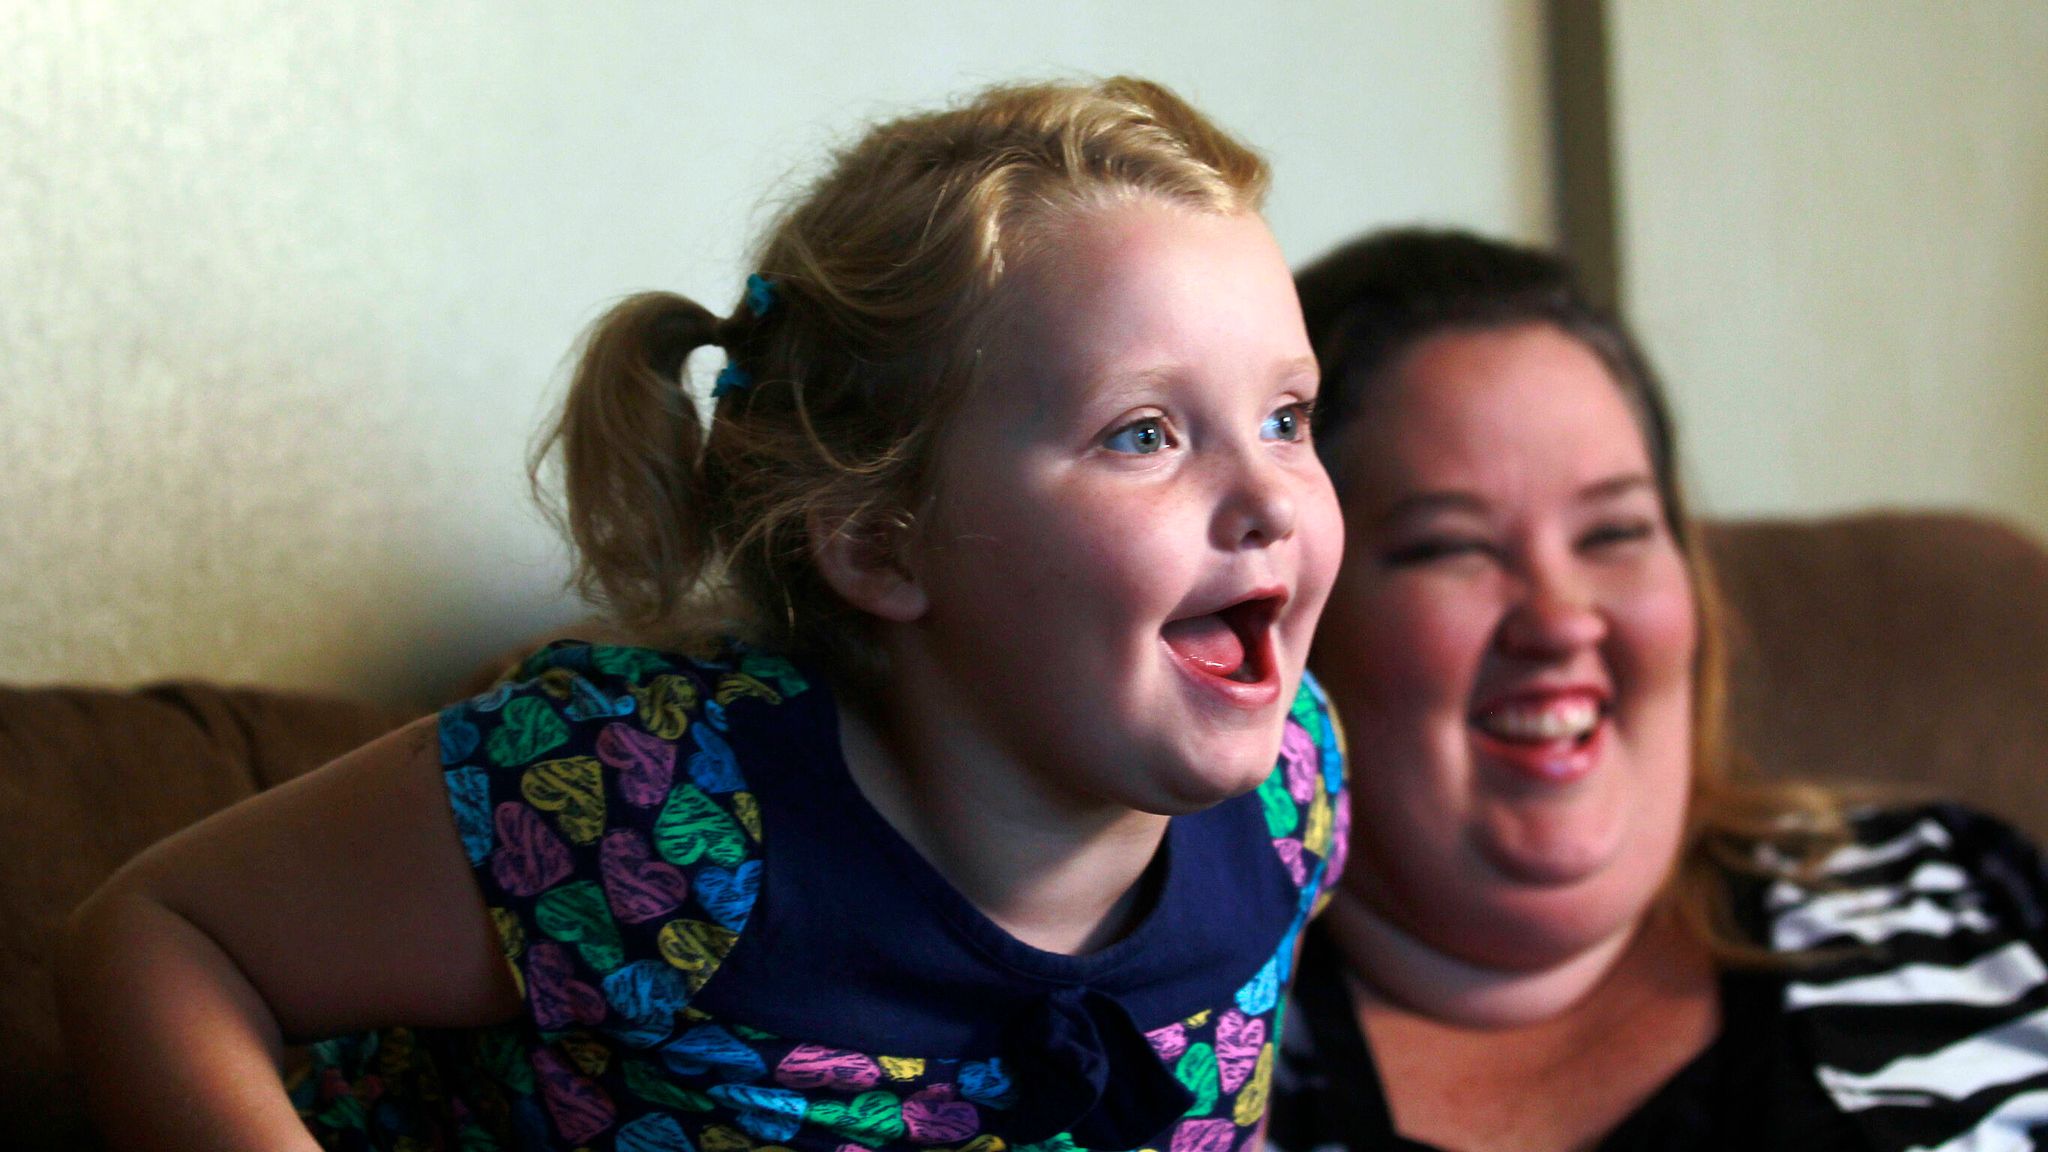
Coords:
337,902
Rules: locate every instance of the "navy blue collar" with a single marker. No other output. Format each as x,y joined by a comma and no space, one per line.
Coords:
857,941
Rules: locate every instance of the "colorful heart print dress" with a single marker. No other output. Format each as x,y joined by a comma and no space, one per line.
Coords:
723,947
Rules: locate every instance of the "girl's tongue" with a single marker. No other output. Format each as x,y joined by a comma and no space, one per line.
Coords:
1207,642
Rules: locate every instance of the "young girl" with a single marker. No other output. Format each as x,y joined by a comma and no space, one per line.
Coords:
998,826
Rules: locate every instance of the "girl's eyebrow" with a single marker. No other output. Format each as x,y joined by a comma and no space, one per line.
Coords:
1299,366
1135,380
1138,379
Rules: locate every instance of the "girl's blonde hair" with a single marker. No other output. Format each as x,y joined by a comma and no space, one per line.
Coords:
1370,303
884,281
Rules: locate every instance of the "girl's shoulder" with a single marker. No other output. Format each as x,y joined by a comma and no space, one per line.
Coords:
594,679
619,701
602,797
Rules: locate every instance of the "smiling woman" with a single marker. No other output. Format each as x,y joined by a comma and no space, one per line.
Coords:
1514,635
1570,921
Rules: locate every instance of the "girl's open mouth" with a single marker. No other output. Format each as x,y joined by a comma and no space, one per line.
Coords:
1234,643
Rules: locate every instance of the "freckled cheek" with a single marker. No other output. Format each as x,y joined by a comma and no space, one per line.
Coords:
1106,555
1322,544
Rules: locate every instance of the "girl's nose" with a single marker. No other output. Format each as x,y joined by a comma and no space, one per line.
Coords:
1552,616
1260,508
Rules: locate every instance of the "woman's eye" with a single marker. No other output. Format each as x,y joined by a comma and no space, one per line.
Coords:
1139,437
1428,551
1289,423
1607,535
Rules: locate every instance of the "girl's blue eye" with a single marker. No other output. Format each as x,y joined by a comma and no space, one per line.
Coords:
1289,423
1139,437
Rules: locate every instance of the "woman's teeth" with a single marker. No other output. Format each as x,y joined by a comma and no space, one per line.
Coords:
1542,723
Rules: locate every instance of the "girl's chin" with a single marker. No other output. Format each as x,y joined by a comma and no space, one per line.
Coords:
1191,792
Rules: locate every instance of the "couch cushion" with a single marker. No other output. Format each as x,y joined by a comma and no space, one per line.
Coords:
1904,649
88,778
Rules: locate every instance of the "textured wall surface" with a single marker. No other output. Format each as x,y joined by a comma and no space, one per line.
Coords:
284,289
1836,241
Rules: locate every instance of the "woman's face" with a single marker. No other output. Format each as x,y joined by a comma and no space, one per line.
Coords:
1510,645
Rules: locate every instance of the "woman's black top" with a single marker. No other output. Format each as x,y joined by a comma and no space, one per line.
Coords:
1751,1089
1915,1018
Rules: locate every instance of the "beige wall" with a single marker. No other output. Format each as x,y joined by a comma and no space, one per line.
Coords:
286,286
1835,234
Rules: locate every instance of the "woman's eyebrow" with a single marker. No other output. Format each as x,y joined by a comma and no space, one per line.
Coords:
1615,487
1422,505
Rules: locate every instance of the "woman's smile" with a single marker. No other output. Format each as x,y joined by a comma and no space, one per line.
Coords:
1549,735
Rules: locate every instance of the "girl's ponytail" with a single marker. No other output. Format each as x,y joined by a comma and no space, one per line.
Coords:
631,443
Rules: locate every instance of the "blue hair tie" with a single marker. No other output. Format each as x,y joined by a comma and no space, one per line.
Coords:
731,378
760,300
760,295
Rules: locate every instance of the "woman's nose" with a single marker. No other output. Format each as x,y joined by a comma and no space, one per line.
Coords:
1553,615
1260,506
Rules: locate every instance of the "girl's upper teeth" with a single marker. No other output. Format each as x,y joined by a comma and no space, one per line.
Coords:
1549,720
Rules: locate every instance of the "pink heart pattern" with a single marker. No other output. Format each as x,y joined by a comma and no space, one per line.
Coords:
580,1108
1238,1040
639,887
1169,1042
557,997
646,763
1204,1136
1292,856
1298,756
1340,837
813,1066
529,858
937,1116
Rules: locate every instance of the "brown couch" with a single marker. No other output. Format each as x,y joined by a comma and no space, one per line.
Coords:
1904,649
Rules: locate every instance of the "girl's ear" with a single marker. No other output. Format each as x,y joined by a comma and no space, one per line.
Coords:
861,561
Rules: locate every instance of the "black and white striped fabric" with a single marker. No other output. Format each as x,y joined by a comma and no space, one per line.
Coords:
1929,1030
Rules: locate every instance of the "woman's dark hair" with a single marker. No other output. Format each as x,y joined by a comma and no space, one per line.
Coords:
1373,301
1369,305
